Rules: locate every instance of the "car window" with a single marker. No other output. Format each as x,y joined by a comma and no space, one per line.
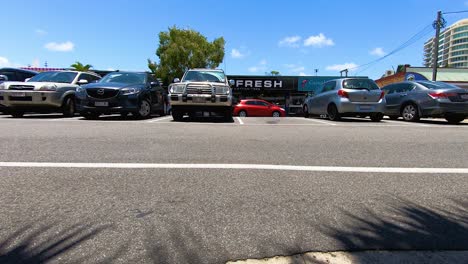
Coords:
389,89
59,77
260,103
90,78
407,87
125,77
361,83
10,75
328,86
250,103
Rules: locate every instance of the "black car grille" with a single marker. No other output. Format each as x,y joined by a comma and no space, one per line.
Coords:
21,87
198,89
101,93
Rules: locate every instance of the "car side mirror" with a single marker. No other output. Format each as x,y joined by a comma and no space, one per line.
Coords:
3,78
82,82
232,82
176,80
154,84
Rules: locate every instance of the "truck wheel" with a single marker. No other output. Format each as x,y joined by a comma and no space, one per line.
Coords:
177,115
68,107
17,114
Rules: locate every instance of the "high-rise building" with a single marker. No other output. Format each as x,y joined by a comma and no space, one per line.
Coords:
453,47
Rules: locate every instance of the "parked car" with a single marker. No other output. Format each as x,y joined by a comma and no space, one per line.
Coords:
416,99
46,92
347,97
15,75
138,93
256,107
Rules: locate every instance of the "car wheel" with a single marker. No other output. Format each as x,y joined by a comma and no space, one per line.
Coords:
332,113
454,119
90,116
68,108
410,113
242,113
177,116
276,114
17,114
144,111
376,117
305,109
393,117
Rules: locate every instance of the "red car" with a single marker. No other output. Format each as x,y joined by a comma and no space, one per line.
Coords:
256,107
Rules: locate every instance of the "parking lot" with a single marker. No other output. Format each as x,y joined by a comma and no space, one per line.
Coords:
158,191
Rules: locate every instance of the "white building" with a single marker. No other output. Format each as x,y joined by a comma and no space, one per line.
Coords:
453,47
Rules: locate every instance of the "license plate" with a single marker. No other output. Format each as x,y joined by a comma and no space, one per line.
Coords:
18,94
198,99
464,96
101,103
365,107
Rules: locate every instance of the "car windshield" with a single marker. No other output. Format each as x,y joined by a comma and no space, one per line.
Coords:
204,76
58,77
124,77
437,85
360,84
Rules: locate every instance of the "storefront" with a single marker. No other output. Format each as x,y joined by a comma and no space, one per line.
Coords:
287,91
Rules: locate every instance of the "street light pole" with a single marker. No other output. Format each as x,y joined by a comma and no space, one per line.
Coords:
437,25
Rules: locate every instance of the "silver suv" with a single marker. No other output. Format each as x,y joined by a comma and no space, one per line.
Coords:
201,90
347,97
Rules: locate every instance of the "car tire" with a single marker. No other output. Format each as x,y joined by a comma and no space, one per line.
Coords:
242,113
144,109
305,110
393,117
332,113
410,112
90,116
17,114
69,107
454,119
376,117
177,115
276,114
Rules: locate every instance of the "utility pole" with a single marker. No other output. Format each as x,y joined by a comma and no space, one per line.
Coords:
438,24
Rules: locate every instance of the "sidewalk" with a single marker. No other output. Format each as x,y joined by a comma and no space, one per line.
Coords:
366,257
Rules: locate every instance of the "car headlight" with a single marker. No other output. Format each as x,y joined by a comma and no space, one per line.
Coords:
80,90
127,91
177,89
48,87
222,90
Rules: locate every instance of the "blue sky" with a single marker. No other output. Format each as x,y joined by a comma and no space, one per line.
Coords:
293,37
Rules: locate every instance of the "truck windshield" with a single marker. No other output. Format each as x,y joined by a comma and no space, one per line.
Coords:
204,76
58,77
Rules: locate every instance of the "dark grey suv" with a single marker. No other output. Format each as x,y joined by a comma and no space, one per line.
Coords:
416,99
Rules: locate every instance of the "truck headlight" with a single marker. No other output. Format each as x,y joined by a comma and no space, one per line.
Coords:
177,89
222,90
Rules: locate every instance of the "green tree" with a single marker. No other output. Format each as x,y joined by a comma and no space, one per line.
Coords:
78,66
183,49
275,73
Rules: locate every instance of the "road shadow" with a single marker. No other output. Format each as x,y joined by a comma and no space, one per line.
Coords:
211,119
110,118
40,116
45,243
405,226
175,242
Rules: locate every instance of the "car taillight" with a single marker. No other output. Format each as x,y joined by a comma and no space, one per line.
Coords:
382,94
441,95
343,93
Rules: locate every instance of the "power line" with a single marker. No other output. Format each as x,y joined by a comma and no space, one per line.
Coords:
456,12
416,37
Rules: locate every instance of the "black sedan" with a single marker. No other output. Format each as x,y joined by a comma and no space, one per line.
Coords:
138,93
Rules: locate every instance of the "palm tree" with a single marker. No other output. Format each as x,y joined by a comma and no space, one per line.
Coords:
78,66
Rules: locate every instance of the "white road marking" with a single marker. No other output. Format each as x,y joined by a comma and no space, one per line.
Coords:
159,119
240,120
234,166
319,121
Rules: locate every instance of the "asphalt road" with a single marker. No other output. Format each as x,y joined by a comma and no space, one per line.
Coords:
188,215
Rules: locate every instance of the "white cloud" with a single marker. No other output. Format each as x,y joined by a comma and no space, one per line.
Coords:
318,41
340,67
263,62
261,67
4,62
302,74
236,54
254,69
378,52
292,42
61,47
40,32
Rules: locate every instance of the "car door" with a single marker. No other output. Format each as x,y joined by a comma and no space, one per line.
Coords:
392,98
263,108
404,93
321,100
